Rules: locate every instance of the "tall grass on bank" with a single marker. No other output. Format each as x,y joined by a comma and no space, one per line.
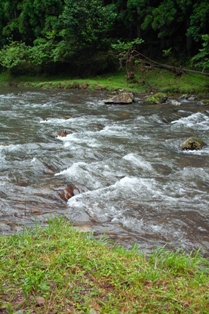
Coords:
57,269
155,80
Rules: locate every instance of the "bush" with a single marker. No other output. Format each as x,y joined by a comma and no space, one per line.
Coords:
15,57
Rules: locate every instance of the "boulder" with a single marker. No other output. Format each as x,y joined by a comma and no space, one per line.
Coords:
174,102
158,98
67,193
193,143
183,97
122,98
62,133
205,101
49,169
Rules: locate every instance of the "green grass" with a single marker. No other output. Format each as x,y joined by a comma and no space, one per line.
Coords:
5,78
57,269
156,80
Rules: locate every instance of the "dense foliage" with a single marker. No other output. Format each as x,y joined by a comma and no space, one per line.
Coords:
78,35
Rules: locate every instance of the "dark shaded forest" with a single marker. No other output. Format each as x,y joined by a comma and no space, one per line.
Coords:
85,37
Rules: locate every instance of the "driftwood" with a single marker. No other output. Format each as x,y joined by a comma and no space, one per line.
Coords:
132,56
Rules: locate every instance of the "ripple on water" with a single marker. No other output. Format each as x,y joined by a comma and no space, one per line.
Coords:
134,180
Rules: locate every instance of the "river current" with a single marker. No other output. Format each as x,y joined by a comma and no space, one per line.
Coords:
131,180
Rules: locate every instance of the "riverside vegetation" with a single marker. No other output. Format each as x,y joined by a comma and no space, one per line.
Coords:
57,269
145,81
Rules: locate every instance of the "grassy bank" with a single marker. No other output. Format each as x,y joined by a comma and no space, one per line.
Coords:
60,270
156,80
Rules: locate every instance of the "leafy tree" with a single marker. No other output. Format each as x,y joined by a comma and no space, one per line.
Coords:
10,11
163,18
201,60
20,58
87,23
83,40
199,23
39,17
14,57
36,34
137,10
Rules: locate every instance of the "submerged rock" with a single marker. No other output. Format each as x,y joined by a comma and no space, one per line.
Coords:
193,143
49,169
158,98
123,98
174,102
62,133
67,193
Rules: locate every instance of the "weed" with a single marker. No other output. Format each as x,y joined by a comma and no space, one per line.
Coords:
73,272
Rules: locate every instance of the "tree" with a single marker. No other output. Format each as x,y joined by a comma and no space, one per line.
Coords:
163,20
39,18
79,33
14,57
138,10
10,11
87,23
199,23
201,60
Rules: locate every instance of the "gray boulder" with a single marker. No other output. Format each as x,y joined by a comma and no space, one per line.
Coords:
193,143
174,102
123,98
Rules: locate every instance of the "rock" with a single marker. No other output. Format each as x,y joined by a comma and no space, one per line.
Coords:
167,120
205,101
158,98
123,98
85,228
67,193
98,127
192,98
174,102
183,97
124,115
40,301
62,133
48,169
193,143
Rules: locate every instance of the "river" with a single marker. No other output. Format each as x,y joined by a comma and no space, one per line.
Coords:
131,179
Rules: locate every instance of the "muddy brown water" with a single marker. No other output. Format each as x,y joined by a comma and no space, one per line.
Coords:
131,180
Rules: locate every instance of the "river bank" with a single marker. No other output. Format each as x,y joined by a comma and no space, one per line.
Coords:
60,270
155,80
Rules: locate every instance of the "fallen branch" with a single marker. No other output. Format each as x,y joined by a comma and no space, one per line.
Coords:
131,56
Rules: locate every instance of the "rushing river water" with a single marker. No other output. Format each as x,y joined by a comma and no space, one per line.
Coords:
130,178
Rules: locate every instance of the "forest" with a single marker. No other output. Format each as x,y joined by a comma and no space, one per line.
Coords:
85,37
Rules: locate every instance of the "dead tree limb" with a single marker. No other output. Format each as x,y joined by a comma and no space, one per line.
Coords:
131,56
